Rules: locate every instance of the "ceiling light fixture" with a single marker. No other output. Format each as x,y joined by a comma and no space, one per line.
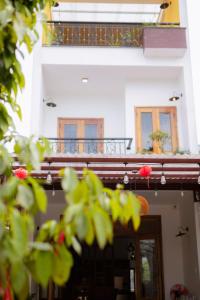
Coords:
84,80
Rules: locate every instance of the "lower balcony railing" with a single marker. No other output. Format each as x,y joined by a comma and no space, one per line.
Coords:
106,146
93,34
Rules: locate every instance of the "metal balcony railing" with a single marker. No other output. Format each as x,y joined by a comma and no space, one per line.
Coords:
106,146
93,34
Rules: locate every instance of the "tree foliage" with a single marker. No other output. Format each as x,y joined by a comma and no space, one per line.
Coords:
90,210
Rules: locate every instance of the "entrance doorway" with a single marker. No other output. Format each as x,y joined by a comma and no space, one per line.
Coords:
129,269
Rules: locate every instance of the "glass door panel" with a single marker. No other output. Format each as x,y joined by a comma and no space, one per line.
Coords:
70,132
91,132
148,269
165,126
147,128
124,268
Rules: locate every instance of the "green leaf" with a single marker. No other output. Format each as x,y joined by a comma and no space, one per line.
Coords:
90,231
41,246
81,223
69,180
40,195
99,220
62,264
76,245
24,196
20,280
20,233
9,189
93,182
44,266
47,230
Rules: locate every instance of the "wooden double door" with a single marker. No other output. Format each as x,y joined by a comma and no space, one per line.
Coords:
81,135
130,268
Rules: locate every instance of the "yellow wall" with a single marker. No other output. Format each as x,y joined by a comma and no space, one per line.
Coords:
47,12
171,14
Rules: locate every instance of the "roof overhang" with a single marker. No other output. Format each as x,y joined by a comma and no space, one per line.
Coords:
181,171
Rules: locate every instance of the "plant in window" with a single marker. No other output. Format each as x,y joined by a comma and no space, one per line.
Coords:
159,139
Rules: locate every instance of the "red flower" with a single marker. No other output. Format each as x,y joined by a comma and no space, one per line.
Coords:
145,171
21,173
7,294
61,238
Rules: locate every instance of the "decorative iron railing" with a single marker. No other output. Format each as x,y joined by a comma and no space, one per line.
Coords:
106,146
93,34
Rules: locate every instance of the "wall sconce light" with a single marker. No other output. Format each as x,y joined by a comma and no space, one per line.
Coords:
182,231
176,96
49,102
165,5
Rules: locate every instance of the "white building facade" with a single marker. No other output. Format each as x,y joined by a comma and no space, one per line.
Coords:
98,89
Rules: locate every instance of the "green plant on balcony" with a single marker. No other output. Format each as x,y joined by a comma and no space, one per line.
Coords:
159,139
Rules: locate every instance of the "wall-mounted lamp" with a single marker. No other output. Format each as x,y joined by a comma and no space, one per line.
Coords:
49,102
165,4
182,231
176,96
56,4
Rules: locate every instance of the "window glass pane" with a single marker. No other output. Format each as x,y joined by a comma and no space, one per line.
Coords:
70,131
91,133
165,126
148,268
124,267
147,128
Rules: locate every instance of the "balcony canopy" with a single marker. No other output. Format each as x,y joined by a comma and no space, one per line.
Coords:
133,11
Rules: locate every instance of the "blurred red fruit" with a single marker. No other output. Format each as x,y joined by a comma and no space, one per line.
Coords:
21,173
61,238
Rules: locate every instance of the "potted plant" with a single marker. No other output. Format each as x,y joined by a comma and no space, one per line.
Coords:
159,139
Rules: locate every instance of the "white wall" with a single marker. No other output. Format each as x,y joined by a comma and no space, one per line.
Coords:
154,93
100,104
190,258
193,8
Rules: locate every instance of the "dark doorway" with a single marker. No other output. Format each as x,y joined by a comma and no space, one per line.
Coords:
129,269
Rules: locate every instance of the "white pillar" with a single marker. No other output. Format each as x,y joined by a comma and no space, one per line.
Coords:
37,87
193,9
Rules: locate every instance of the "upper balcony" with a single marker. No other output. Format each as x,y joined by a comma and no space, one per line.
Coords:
147,26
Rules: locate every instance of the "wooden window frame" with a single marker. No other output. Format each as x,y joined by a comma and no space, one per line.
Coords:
155,110
81,122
